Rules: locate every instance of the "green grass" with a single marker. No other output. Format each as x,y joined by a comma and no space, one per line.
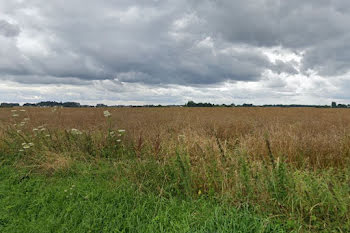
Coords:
89,201
95,182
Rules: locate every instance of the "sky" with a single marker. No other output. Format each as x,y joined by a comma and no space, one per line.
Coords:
173,51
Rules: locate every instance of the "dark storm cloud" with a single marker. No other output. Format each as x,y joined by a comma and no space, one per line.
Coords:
171,42
7,29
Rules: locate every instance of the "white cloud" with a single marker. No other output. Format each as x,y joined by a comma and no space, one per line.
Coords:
129,51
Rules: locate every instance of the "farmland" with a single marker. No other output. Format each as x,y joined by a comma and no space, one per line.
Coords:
175,169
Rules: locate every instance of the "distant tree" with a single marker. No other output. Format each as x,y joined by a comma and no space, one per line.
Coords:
191,104
29,105
334,104
71,104
9,105
342,106
48,104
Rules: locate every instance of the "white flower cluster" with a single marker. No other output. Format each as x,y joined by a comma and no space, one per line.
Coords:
27,145
107,113
120,133
14,112
76,131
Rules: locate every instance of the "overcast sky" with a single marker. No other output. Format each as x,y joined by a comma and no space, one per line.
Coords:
172,51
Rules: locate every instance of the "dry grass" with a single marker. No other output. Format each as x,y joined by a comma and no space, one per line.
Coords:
303,137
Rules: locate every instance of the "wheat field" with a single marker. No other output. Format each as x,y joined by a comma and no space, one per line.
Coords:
308,137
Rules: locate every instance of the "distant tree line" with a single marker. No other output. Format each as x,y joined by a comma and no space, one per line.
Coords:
7,105
53,104
193,104
333,105
188,104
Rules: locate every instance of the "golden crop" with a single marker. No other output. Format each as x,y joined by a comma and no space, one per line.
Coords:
303,137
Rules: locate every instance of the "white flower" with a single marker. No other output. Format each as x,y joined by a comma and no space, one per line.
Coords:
107,113
13,110
21,150
26,119
112,133
35,129
23,144
22,110
26,147
121,130
47,135
75,131
31,144
119,140
18,131
15,115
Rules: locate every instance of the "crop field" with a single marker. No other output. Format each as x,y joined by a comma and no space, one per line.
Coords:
174,169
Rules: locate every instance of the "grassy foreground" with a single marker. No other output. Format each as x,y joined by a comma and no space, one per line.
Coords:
92,202
54,179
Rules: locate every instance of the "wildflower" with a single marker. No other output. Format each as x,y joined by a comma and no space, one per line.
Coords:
47,135
35,129
26,119
119,140
107,113
23,144
42,129
21,150
22,110
75,131
112,133
199,192
31,144
18,131
13,110
15,115
65,190
119,135
121,130
26,147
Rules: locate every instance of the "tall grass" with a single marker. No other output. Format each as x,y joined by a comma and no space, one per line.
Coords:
277,163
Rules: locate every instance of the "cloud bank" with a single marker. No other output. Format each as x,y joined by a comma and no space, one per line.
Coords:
169,51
